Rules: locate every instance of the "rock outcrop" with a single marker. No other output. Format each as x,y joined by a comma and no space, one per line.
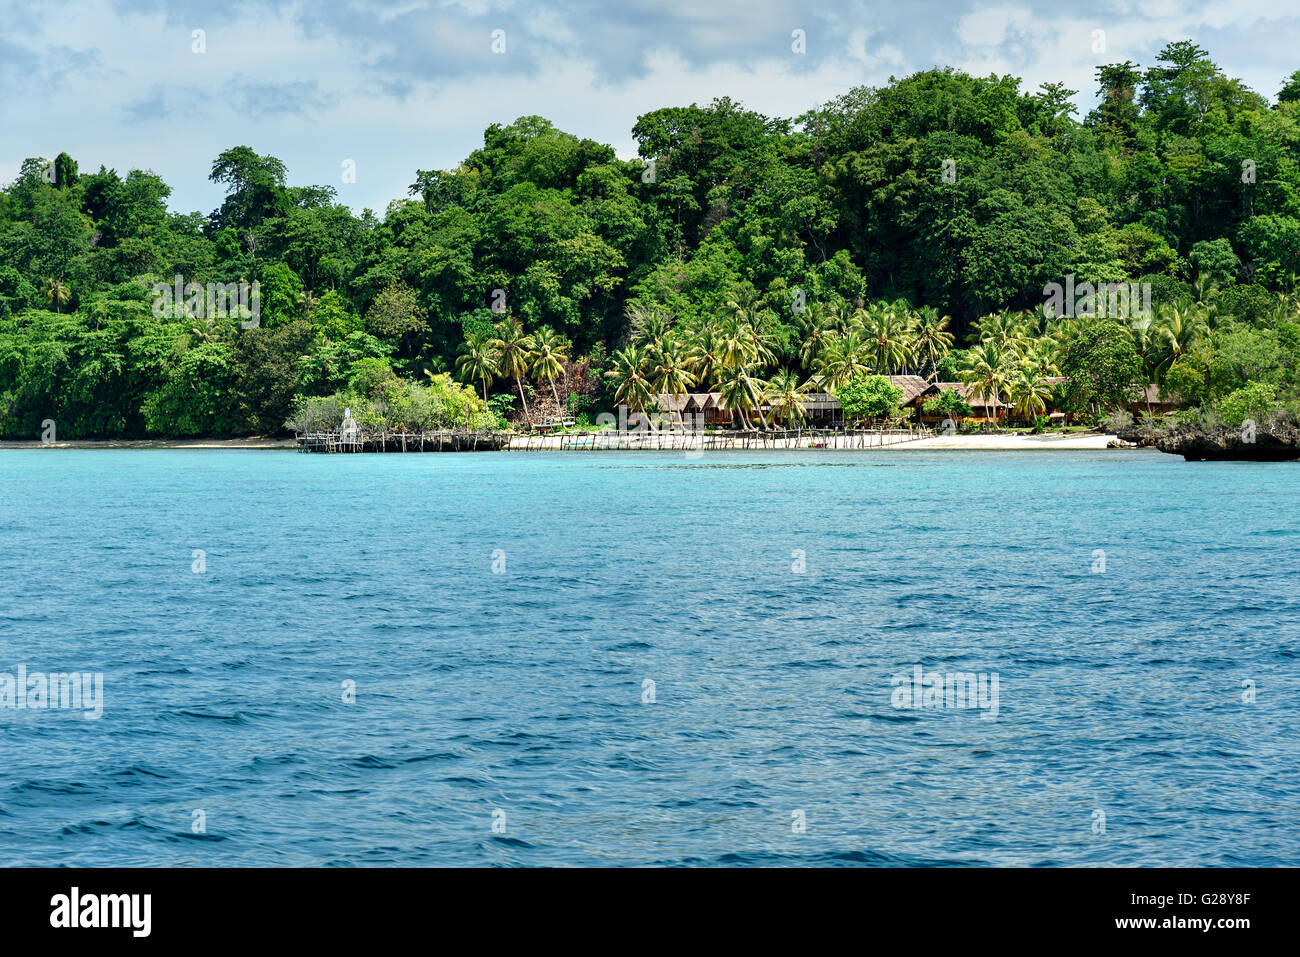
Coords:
1141,435
1195,444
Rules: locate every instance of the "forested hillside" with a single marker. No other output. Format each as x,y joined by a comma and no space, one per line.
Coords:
911,227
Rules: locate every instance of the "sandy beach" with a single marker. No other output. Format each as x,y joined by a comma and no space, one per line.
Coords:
1009,442
986,443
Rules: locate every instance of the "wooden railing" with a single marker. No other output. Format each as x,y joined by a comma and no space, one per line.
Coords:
659,440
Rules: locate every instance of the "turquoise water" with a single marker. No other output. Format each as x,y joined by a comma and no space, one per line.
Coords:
519,692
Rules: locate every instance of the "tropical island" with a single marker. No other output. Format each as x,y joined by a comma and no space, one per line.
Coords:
943,249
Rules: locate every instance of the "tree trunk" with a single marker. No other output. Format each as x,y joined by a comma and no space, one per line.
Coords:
524,402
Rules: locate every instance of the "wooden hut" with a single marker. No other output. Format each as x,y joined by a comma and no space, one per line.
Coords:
984,407
705,408
1151,398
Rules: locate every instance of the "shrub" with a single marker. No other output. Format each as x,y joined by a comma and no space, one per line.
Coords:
1254,401
1118,420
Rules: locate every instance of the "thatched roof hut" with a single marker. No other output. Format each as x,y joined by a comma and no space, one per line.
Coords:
980,403
913,387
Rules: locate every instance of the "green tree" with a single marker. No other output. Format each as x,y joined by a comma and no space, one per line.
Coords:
870,397
515,352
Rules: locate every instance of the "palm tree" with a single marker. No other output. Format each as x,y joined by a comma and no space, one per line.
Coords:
986,370
478,359
842,360
814,325
704,355
787,394
932,340
647,324
204,330
1004,329
762,392
745,304
57,293
100,313
632,386
1177,330
888,338
1042,355
1029,393
514,353
1146,343
549,356
670,366
735,343
738,391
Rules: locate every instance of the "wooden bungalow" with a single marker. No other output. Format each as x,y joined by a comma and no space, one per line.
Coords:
703,408
916,392
984,407
821,410
1151,397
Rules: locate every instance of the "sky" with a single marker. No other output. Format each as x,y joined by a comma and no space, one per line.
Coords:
386,87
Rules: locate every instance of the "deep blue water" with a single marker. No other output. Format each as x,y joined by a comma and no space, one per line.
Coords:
1120,691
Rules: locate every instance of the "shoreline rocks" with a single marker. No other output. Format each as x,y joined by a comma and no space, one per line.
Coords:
1196,444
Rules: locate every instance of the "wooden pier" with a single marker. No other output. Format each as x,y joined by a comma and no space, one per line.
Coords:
402,442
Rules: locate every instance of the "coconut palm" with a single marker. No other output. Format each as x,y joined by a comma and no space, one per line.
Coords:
888,337
647,324
1146,343
816,323
1043,356
931,339
479,359
204,330
738,391
704,355
1029,392
746,304
632,386
514,350
987,370
1005,329
1177,330
842,359
550,353
762,397
670,366
786,394
57,293
736,345
99,312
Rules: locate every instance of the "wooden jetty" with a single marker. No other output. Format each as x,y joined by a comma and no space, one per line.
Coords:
402,441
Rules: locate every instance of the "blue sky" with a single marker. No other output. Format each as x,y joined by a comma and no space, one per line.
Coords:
400,85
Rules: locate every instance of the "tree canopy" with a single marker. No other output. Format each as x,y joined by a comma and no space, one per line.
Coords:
740,253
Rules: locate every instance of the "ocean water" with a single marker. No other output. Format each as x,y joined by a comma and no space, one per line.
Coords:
501,618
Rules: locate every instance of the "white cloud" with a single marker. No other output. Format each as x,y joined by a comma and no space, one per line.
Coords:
400,85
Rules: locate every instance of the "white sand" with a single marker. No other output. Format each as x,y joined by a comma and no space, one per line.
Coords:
1019,443
1009,442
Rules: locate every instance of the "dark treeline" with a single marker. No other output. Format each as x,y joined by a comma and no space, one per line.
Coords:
740,252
